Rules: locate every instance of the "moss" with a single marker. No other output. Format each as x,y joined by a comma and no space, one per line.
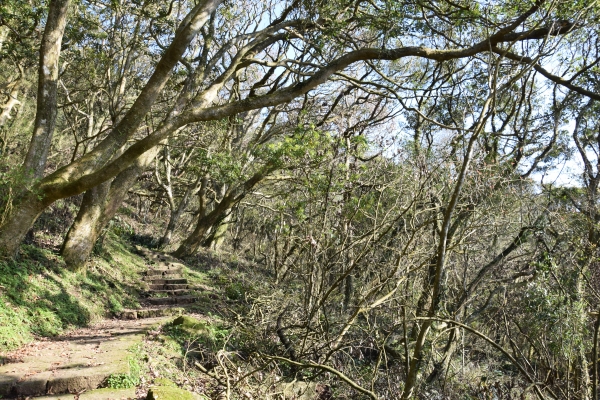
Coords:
164,382
185,321
169,393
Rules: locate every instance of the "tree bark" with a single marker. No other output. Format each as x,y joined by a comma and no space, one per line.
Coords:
11,101
206,221
86,228
193,242
45,117
175,216
28,208
99,206
3,35
219,232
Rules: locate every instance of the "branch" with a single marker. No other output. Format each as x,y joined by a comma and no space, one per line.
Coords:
494,344
322,367
554,78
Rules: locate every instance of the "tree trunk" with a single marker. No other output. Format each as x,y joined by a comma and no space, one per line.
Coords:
86,228
93,168
45,117
99,206
193,242
3,35
20,220
206,221
219,232
178,212
12,101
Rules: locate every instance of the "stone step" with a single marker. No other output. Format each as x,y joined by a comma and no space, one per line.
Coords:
98,394
150,313
170,292
175,281
74,365
160,257
164,271
169,286
172,300
150,278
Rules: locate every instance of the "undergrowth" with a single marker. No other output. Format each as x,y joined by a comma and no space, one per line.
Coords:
40,296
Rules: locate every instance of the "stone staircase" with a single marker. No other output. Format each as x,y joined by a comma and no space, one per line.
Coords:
75,366
78,362
166,284
166,290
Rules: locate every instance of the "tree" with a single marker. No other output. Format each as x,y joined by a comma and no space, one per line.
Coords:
333,49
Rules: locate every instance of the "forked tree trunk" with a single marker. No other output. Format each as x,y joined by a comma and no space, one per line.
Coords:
99,206
206,221
193,242
178,212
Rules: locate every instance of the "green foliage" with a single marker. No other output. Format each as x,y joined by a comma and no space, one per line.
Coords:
235,291
307,145
115,304
126,381
557,312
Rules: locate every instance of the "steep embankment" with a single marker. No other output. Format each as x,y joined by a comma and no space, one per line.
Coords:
40,297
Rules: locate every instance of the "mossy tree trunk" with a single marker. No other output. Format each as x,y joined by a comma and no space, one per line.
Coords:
207,221
86,228
99,206
23,213
101,163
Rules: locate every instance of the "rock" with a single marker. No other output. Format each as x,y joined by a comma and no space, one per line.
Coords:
98,394
127,314
189,324
170,393
108,394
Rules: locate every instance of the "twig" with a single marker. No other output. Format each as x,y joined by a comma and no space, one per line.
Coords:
322,367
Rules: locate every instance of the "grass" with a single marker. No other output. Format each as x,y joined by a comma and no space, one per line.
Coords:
39,296
129,380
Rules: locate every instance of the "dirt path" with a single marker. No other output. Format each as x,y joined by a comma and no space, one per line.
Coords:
74,363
